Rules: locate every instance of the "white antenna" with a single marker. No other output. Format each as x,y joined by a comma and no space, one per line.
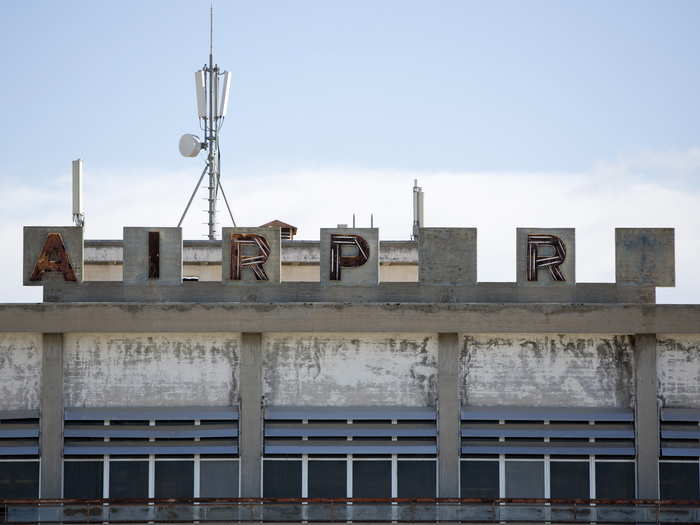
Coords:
212,104
78,215
417,209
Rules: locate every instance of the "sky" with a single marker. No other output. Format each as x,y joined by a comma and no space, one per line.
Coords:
509,113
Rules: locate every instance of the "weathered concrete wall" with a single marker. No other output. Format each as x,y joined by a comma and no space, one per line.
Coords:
103,272
20,371
678,369
119,369
547,370
350,369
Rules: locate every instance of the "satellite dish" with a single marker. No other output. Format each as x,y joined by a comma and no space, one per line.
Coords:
190,145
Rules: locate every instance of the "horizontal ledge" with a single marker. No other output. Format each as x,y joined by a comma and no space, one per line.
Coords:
345,413
125,448
526,413
187,413
350,447
559,449
548,431
340,317
194,431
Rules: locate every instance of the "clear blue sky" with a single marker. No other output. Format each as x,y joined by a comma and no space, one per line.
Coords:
594,104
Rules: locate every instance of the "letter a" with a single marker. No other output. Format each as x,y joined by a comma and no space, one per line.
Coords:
53,258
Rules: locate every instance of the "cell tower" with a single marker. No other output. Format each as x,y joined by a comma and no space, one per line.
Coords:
212,89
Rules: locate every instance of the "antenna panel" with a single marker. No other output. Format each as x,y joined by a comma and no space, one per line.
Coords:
77,187
201,93
224,94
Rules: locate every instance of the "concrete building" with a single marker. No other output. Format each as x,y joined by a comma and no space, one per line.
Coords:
346,368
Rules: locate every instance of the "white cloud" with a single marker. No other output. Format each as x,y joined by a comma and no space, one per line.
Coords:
648,190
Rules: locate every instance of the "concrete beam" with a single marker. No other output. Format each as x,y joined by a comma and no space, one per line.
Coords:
647,417
338,317
51,417
55,291
250,441
448,415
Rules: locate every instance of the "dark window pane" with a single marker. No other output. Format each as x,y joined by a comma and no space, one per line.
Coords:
128,479
371,479
416,479
569,479
174,479
524,479
614,480
19,479
679,480
282,479
327,479
218,479
479,479
82,479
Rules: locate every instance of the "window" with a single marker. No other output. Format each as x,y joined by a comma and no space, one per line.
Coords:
679,480
174,479
614,480
218,479
416,479
282,479
128,479
82,479
569,479
524,479
371,479
19,479
479,479
327,479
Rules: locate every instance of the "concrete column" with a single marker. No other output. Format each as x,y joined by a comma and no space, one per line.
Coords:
51,417
251,417
448,415
647,417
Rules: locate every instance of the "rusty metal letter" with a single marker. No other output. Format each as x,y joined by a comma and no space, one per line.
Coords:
255,262
53,258
551,262
338,260
154,255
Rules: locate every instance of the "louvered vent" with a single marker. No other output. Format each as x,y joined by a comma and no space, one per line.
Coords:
19,433
542,430
680,432
169,430
350,430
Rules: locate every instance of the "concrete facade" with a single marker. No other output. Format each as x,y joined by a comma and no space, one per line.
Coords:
678,363
20,370
572,370
337,369
126,369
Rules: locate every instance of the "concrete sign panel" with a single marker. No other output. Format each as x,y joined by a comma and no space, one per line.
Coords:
349,256
54,252
153,255
546,257
447,255
645,256
251,254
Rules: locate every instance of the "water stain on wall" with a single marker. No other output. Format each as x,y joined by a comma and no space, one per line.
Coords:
20,371
547,370
678,370
350,369
151,369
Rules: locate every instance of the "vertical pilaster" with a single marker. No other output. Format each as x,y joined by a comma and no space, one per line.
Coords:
647,417
51,417
251,417
448,415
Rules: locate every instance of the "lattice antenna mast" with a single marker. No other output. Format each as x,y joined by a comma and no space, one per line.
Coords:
212,104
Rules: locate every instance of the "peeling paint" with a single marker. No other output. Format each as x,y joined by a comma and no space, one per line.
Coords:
547,370
20,371
350,369
678,370
151,369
